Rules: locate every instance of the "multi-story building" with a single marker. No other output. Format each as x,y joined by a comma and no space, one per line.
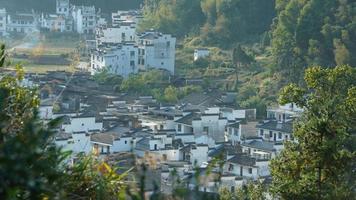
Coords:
3,22
85,19
115,34
118,59
22,23
63,7
156,50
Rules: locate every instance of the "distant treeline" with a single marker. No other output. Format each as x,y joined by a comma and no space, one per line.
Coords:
49,5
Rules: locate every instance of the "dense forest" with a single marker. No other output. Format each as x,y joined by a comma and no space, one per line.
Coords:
314,32
301,33
49,5
219,22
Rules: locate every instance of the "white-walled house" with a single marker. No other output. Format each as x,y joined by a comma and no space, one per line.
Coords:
201,53
211,125
157,51
233,132
22,23
81,124
3,22
120,59
54,23
85,19
115,34
63,7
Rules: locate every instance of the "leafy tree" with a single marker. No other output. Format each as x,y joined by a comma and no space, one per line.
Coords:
314,32
93,179
30,165
171,94
320,165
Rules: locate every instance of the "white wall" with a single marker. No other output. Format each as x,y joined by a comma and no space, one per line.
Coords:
124,144
199,155
82,124
157,53
121,60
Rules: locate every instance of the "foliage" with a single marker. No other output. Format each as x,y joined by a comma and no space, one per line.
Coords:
92,179
171,94
106,78
30,166
315,32
175,17
222,22
250,191
320,165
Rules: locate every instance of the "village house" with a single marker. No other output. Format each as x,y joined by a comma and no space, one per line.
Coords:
22,23
85,19
120,59
63,7
156,51
201,53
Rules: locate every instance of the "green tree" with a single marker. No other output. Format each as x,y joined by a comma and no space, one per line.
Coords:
30,165
171,94
320,165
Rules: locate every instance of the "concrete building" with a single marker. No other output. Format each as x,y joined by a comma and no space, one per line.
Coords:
22,23
63,7
85,19
156,50
3,22
120,59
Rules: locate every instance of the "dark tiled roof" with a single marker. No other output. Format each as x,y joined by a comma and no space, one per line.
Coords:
188,119
286,127
234,125
263,145
102,138
243,159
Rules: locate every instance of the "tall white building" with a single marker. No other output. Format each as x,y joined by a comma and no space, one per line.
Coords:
120,59
3,23
85,19
156,50
62,7
115,34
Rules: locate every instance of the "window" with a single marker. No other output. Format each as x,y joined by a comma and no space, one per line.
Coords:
168,44
82,124
279,135
155,147
270,134
206,129
261,132
125,142
162,63
231,167
132,63
179,127
250,170
132,53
